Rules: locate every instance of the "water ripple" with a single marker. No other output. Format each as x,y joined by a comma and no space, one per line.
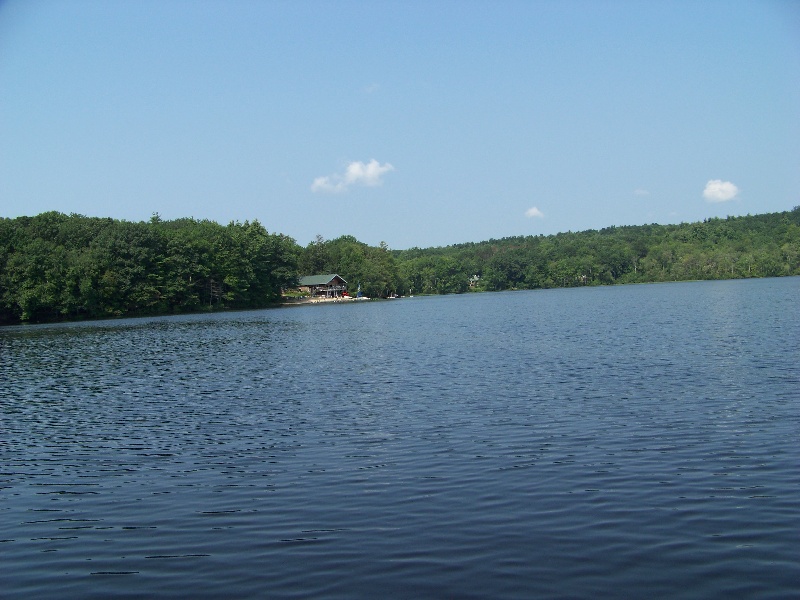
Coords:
566,443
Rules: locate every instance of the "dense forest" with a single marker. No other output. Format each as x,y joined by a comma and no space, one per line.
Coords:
55,266
64,267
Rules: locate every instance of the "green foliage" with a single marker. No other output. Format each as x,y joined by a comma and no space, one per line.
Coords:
55,266
359,264
751,246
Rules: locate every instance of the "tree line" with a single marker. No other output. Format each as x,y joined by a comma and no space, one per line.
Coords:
63,267
765,245
55,267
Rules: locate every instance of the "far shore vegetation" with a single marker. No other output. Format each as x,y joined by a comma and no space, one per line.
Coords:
58,267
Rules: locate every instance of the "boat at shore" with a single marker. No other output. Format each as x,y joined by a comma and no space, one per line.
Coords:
321,300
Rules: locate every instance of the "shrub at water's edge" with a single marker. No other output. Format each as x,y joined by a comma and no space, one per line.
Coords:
59,267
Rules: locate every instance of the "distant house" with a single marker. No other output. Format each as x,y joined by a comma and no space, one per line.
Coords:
325,286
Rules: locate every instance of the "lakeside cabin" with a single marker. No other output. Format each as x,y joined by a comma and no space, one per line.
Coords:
323,286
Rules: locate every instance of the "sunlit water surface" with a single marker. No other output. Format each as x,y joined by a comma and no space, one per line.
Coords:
637,441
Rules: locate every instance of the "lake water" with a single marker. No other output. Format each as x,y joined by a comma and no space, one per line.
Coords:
632,441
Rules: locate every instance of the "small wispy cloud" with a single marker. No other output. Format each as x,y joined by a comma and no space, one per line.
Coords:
357,173
641,192
372,88
534,213
720,191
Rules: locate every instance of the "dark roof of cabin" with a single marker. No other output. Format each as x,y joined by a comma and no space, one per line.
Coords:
319,279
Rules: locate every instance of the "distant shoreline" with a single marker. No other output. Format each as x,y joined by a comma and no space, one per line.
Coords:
307,301
56,267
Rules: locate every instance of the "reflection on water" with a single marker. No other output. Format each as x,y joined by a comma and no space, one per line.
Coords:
567,443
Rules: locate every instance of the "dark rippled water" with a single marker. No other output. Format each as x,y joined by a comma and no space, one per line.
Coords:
637,441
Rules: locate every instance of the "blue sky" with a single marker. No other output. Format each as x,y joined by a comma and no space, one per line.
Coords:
418,123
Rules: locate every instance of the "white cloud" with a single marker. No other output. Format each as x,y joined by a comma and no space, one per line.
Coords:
720,191
366,174
534,212
641,192
357,173
325,184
